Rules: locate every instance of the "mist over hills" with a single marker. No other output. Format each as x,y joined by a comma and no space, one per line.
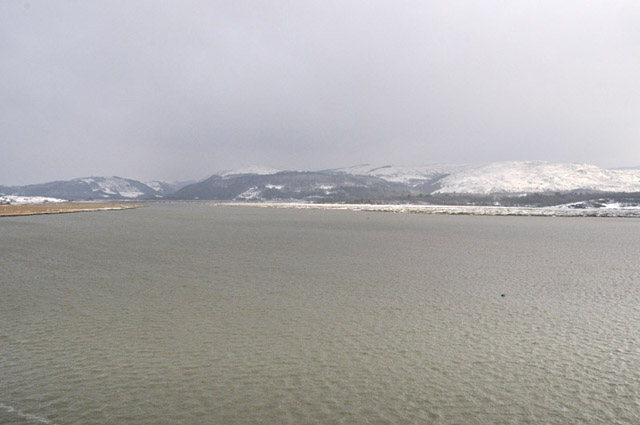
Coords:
511,182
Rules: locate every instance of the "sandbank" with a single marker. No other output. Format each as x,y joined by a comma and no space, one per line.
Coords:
62,208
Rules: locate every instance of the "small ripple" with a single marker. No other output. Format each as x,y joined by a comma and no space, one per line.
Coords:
24,415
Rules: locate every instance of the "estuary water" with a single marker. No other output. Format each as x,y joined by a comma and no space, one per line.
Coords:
202,314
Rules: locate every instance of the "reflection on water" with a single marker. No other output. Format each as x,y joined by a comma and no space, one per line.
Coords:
189,313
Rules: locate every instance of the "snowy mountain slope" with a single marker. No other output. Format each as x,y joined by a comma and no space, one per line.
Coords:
158,186
413,175
390,182
116,186
166,188
505,177
289,185
360,182
86,188
539,176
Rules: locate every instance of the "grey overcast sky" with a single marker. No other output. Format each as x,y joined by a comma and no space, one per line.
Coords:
180,89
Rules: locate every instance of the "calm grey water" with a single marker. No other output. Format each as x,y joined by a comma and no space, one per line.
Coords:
190,313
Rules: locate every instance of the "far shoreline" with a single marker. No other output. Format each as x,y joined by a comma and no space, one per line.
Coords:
474,210
20,210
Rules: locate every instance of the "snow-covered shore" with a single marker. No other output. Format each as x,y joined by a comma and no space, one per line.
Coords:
558,211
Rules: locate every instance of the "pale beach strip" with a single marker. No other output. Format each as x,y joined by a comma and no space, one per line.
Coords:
62,208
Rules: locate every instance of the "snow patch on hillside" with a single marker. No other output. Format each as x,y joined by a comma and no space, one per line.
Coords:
23,200
113,186
250,194
155,185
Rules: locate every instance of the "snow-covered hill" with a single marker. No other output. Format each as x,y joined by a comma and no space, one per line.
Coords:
166,188
505,177
310,186
412,175
389,182
539,176
380,183
86,188
115,186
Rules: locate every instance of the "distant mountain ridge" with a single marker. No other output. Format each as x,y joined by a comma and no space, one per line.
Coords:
379,182
511,177
89,188
291,185
540,177
360,183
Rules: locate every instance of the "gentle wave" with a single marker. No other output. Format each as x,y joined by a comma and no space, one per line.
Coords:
193,314
20,413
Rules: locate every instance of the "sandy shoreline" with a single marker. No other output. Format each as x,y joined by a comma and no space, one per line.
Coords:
62,208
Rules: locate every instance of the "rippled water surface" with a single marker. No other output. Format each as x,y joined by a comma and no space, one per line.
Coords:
190,313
